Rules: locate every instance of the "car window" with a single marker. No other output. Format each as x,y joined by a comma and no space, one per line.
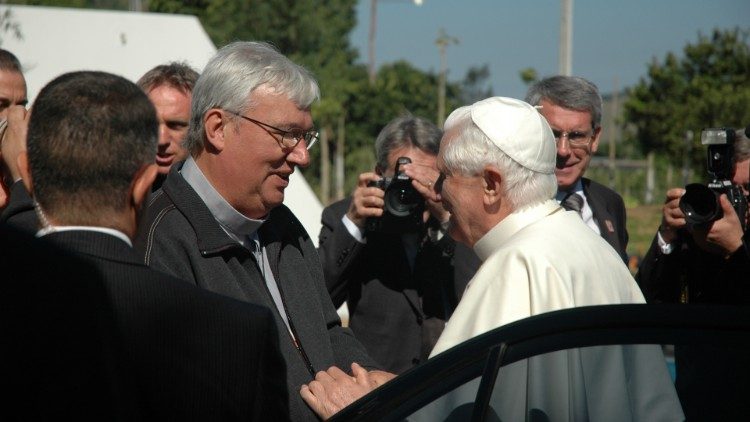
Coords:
599,383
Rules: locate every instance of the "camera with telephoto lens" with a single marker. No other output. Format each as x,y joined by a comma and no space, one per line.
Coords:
700,203
404,206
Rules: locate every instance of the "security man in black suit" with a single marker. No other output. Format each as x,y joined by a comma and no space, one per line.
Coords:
398,282
187,354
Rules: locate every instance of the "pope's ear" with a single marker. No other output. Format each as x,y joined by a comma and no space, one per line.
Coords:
492,182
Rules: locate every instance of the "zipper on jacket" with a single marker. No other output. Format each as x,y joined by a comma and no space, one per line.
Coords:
291,332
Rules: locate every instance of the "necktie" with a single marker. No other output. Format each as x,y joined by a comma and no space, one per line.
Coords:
573,202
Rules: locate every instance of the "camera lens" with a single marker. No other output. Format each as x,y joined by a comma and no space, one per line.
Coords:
700,204
401,201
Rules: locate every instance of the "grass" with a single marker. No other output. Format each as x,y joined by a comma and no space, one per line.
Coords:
642,223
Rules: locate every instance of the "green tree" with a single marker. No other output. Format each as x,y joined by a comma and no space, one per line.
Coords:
399,88
475,85
528,75
708,87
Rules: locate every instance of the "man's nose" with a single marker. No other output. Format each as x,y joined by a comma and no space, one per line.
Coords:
563,146
164,137
299,155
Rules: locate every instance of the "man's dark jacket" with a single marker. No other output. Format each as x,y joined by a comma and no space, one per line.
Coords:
182,353
711,382
397,312
180,236
609,211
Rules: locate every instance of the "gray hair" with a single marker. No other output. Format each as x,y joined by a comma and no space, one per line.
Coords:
741,146
406,131
470,150
569,92
231,76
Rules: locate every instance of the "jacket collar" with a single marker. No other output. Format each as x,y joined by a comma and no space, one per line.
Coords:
96,244
212,239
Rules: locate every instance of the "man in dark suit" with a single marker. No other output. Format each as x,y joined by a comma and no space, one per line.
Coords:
573,108
397,280
185,353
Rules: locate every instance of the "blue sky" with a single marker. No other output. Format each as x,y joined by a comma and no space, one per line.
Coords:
611,40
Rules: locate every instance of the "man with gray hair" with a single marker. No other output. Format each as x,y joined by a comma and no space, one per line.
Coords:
396,273
219,223
497,179
497,163
573,108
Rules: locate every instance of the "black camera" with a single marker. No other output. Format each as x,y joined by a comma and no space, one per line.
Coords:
700,203
404,206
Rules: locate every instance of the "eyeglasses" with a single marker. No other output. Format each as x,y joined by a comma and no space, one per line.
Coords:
289,138
575,138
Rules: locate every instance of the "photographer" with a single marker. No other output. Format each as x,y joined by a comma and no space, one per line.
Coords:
704,264
396,275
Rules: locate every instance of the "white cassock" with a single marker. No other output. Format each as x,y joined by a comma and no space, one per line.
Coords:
538,260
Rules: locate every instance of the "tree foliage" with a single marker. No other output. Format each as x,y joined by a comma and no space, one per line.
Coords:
475,85
709,86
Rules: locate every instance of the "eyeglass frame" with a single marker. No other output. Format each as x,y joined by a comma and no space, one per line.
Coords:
588,137
312,134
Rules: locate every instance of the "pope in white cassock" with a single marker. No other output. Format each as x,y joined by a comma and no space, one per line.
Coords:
497,162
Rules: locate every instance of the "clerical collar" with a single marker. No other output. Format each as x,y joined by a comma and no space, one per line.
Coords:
112,232
577,188
231,220
511,225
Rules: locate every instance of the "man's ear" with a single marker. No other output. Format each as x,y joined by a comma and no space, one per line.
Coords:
595,141
22,161
492,181
142,183
215,124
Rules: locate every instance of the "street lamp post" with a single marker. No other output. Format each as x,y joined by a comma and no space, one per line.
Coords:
371,37
566,38
443,41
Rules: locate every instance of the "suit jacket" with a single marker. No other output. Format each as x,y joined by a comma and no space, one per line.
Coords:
180,236
192,355
711,381
609,212
397,312
61,353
